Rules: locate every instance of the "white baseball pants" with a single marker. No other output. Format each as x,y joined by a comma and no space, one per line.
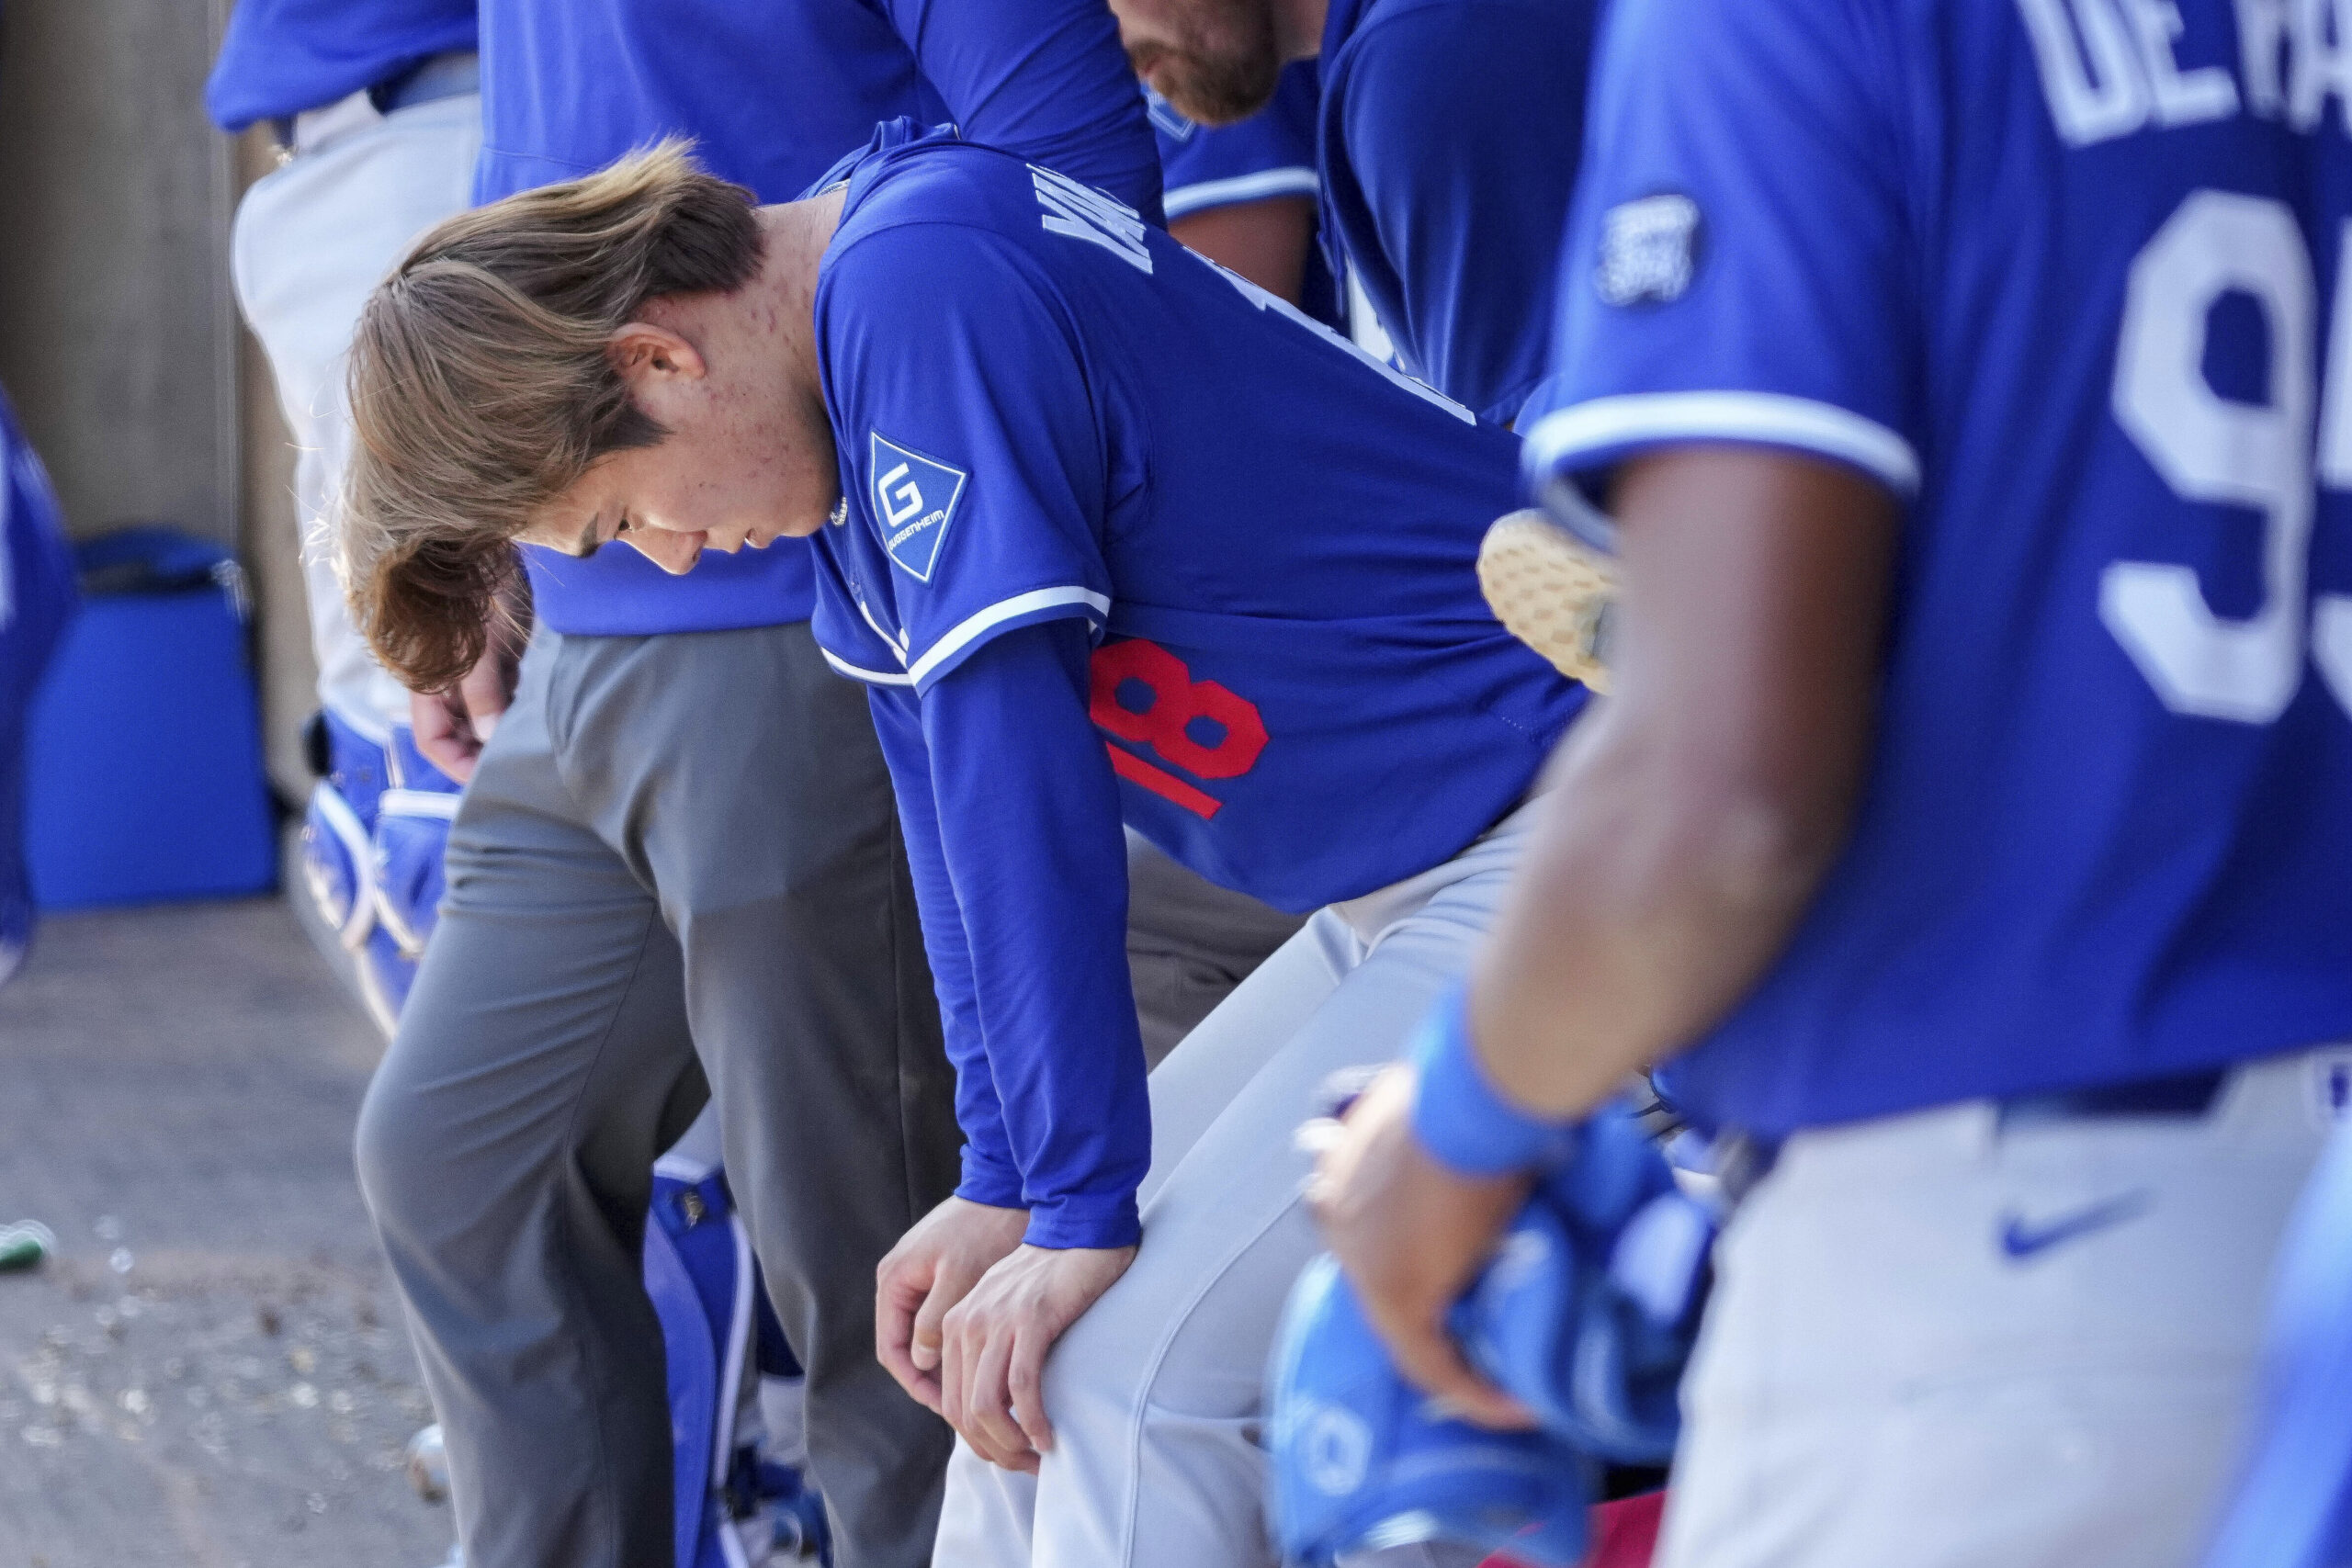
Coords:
1944,1343
311,242
1155,1394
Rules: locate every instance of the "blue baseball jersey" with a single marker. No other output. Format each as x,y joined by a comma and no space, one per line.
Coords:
772,94
280,57
2060,274
1451,132
1265,157
1125,538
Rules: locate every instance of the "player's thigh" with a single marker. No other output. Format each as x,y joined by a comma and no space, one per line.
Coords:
1225,1231
1190,942
544,1038
771,842
1214,1064
1886,1373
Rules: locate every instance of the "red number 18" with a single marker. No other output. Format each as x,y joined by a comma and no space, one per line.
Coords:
1176,701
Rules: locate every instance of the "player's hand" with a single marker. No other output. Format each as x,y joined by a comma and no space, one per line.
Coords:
1412,1236
452,726
933,1266
997,1340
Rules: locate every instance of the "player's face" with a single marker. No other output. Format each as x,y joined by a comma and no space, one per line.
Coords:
1216,60
748,459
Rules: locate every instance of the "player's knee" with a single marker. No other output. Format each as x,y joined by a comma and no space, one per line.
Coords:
394,1151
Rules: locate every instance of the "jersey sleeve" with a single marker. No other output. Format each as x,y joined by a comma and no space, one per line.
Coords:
1736,266
1025,818
1453,234
972,438
1270,154
1045,79
990,1175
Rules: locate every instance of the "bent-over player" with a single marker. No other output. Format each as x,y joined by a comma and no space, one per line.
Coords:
1114,535
1976,809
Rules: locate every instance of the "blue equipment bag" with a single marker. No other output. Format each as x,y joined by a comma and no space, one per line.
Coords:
372,843
36,602
734,1507
144,777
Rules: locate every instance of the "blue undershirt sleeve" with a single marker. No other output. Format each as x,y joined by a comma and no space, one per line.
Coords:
990,1175
1029,825
1045,79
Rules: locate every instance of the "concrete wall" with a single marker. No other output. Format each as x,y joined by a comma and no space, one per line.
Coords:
116,334
119,337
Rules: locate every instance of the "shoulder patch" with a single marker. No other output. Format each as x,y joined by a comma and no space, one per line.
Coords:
1649,250
914,500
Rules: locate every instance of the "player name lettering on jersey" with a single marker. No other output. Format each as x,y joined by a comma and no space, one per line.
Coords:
2110,67
1084,214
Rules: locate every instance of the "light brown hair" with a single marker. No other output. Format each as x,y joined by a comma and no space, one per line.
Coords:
480,387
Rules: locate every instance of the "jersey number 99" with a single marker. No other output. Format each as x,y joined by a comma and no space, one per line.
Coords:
2223,452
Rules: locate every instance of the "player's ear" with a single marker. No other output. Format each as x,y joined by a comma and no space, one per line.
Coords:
642,353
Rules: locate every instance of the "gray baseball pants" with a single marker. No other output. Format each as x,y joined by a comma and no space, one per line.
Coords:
677,861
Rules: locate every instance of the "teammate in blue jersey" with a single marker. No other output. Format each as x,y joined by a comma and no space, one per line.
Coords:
377,118
1116,536
1449,139
1966,384
619,928
281,58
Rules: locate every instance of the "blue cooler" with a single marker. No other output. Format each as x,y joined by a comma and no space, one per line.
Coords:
144,763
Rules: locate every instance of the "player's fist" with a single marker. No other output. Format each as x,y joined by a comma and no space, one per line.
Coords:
933,1266
997,1339
1412,1236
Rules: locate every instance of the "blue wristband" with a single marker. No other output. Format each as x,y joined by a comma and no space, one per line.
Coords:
1460,1117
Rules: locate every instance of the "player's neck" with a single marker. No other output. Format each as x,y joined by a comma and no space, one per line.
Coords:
1298,27
796,234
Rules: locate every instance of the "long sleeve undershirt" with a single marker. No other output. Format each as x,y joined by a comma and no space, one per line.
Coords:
1011,820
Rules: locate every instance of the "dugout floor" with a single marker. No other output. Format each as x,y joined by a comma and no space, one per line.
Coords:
178,1089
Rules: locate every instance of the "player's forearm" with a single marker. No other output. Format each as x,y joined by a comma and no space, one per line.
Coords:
1030,829
1695,815
1647,908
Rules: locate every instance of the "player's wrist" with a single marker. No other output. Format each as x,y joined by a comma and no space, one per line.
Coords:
1084,1223
1460,1118
988,1183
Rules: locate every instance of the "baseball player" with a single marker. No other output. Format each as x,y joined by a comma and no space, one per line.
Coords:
377,112
641,899
1970,824
1243,196
1450,136
1116,536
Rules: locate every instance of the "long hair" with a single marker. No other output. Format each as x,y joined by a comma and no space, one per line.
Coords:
480,387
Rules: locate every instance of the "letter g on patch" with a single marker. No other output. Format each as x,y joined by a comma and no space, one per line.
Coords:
914,501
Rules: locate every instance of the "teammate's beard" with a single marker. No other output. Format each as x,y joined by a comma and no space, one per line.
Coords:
1223,69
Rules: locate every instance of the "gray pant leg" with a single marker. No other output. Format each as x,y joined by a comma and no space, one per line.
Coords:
741,777
1189,943
506,1150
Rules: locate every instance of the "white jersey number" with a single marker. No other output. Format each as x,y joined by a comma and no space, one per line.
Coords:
2213,449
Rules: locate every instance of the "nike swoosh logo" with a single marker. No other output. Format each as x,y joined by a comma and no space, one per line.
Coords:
2020,1240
